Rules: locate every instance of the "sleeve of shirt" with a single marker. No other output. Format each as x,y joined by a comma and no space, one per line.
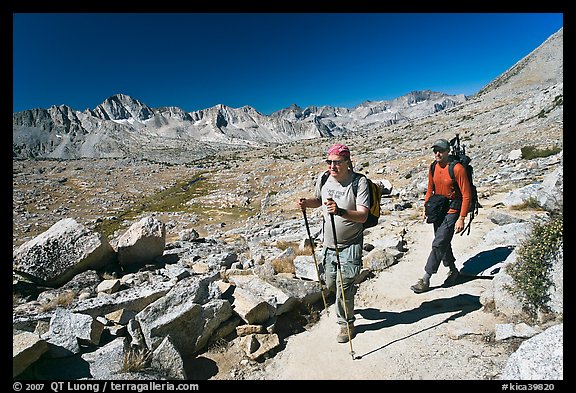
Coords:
318,188
430,185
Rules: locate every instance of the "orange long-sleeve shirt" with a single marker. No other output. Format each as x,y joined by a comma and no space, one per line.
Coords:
442,184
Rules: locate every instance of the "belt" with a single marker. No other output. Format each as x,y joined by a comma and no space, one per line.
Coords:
339,248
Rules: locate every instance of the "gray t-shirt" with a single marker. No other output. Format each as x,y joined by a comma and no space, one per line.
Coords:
347,232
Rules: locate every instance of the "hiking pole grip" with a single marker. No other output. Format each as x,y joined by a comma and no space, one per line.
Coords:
303,209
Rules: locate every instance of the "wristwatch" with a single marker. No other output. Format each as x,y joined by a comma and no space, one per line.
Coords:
340,212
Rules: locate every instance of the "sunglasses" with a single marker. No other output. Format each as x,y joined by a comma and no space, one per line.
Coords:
335,162
439,151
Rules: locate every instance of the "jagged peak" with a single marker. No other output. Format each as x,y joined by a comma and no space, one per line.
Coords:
294,107
249,109
124,99
61,107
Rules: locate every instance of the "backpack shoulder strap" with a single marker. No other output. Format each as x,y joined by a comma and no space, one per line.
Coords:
451,165
324,178
451,169
432,167
355,179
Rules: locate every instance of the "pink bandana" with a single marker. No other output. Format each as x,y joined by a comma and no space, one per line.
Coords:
340,150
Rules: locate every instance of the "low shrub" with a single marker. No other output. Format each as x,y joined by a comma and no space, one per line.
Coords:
531,152
531,270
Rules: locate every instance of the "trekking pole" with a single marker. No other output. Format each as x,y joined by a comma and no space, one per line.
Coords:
315,262
467,227
341,282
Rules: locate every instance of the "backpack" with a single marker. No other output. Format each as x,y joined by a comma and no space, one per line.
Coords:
458,156
374,191
436,208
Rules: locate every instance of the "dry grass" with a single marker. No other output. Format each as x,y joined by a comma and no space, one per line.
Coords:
218,346
284,245
62,300
528,204
283,265
415,215
305,251
135,360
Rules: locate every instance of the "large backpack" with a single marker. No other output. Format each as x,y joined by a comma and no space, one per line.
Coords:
375,194
458,156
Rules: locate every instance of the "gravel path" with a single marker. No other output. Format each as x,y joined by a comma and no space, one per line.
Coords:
443,334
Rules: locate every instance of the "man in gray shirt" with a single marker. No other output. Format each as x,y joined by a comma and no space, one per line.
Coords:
349,211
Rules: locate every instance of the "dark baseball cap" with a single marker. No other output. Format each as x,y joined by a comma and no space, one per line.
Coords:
441,144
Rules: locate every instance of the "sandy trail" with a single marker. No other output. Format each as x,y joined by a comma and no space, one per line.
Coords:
442,334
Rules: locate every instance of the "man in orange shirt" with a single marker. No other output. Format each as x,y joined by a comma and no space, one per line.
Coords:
460,196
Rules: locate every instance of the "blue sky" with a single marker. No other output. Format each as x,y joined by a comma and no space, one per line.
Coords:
265,60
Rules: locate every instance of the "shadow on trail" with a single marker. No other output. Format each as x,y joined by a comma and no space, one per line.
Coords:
474,268
484,260
462,279
461,305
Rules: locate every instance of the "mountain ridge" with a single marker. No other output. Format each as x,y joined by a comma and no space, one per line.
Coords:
124,127
87,134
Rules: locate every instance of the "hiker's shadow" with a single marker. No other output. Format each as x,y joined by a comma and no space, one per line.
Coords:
460,305
483,265
472,269
489,259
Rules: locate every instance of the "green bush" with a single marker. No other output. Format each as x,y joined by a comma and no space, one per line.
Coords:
531,152
531,270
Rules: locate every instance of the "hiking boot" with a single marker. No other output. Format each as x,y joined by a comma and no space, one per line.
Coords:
342,337
420,286
451,278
